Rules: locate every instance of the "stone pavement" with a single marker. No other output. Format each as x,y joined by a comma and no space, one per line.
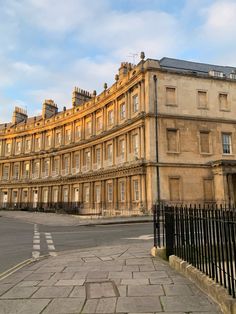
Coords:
52,219
119,279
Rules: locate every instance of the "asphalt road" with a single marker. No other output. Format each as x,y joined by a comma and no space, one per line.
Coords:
17,238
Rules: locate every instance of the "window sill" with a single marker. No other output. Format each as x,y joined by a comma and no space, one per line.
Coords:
203,108
231,155
225,110
206,154
172,105
170,152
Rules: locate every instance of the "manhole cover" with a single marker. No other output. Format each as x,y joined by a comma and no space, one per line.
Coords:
96,290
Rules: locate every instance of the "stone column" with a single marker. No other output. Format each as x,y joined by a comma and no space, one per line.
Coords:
92,195
230,189
143,190
104,118
127,102
142,142
103,194
128,193
115,193
73,132
142,95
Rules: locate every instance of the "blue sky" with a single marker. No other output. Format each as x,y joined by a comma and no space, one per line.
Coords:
49,46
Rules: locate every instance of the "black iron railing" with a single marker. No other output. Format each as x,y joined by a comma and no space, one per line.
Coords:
204,236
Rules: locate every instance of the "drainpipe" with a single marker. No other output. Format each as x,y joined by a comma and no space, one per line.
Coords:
157,151
156,221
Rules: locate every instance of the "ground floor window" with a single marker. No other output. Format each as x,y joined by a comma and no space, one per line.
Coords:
109,192
122,191
136,190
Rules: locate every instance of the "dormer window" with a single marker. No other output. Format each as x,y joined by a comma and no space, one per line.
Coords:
232,75
216,73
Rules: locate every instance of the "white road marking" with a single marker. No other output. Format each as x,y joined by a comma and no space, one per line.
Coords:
142,237
35,254
53,254
51,247
50,244
36,243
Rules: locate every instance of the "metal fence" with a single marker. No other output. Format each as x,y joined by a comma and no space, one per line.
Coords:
204,236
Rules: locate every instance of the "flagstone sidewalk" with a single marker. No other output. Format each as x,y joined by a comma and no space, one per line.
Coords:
119,279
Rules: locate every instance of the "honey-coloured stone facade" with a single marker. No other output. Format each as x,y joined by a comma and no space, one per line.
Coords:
163,123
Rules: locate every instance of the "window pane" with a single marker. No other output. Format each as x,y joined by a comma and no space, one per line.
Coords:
226,143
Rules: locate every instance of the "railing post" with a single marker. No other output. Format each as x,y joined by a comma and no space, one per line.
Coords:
169,230
155,224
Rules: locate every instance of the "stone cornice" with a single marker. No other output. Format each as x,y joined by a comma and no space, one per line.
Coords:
135,168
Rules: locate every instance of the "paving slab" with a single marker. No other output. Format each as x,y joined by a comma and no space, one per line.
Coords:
145,290
27,306
5,287
19,293
138,304
100,290
53,292
70,282
97,274
64,306
78,292
118,279
106,305
90,306
177,289
186,303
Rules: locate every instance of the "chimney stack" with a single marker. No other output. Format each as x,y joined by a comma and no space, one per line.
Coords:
80,96
19,115
49,109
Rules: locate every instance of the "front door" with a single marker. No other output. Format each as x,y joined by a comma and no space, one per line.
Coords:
35,199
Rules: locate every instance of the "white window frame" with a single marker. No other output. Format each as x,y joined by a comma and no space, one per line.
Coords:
135,101
122,111
136,190
109,193
122,191
110,117
227,143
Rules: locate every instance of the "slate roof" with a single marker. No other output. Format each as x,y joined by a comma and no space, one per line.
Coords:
189,66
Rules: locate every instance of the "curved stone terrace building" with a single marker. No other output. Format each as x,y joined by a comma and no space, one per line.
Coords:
164,130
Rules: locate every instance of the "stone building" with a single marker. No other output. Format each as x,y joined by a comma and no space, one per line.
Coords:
164,130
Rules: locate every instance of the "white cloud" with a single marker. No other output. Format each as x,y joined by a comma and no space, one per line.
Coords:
84,41
220,20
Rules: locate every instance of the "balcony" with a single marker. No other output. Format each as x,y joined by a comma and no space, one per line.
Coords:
133,156
107,163
85,168
55,173
120,160
35,175
75,170
26,176
5,178
45,175
15,177
97,166
65,172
